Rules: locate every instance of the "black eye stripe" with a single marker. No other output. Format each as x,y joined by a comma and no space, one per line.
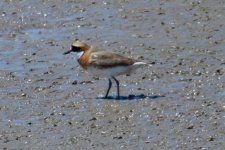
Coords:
76,49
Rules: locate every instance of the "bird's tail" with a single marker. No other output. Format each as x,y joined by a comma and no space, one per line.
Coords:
139,63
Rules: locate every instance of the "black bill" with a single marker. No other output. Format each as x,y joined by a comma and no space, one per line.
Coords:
67,52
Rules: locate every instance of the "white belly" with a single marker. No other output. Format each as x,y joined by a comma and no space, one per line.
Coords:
109,72
113,71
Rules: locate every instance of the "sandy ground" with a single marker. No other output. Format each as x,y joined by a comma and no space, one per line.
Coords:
48,102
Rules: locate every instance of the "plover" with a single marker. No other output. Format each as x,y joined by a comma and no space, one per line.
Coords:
102,63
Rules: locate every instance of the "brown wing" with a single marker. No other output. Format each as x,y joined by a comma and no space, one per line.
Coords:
104,59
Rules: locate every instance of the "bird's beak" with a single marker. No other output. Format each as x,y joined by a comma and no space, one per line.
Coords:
67,52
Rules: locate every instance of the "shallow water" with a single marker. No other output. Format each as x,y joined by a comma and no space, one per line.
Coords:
49,102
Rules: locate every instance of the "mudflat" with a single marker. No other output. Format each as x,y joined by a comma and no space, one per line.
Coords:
48,102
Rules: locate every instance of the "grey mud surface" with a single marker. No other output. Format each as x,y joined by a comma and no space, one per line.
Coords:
48,102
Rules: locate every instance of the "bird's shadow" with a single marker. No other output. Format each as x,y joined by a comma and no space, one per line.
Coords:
131,97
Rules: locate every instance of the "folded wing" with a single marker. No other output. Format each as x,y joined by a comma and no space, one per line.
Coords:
104,59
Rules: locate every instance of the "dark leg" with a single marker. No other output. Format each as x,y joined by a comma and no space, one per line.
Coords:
118,86
110,84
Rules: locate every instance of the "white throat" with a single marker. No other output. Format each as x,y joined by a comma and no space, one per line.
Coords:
79,54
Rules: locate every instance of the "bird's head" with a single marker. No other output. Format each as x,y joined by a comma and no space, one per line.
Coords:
78,46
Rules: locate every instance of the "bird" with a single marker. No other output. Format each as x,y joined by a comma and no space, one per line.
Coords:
102,63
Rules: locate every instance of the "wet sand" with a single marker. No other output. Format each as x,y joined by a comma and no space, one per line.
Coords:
48,102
